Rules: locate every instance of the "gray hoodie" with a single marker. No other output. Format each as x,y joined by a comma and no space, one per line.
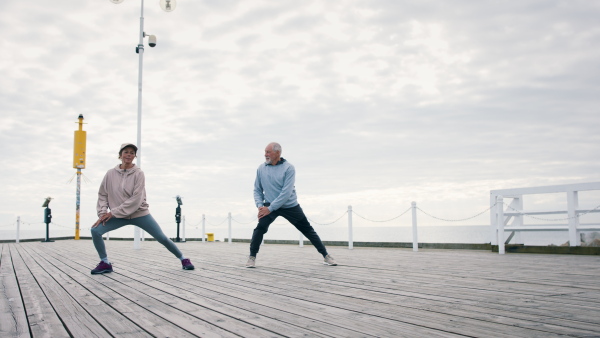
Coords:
275,184
123,191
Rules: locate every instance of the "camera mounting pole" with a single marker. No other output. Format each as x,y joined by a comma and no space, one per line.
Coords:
167,6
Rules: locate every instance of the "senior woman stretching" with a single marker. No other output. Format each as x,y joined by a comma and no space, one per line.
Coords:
123,191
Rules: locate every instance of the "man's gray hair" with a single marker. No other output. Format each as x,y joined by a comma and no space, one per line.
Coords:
276,147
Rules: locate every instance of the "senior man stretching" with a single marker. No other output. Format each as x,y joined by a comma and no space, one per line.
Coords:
275,195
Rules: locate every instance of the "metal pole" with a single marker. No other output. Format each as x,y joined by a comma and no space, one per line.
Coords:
79,156
229,219
136,231
18,227
300,240
493,219
178,219
350,241
203,228
77,203
183,228
572,206
500,222
415,237
48,220
141,63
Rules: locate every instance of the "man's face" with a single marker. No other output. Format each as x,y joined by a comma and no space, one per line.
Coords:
271,157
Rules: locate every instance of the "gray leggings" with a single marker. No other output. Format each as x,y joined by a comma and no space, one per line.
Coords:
146,223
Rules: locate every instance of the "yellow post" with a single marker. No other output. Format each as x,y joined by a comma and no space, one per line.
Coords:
79,163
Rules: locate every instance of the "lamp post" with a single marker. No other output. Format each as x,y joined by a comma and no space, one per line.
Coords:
167,6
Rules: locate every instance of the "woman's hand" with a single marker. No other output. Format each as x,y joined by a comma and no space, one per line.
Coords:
103,219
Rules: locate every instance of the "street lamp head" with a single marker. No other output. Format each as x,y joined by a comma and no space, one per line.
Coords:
168,5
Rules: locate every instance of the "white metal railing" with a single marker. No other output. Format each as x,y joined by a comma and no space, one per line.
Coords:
350,213
227,224
503,212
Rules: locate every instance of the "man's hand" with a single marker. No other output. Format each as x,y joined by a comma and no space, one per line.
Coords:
263,211
103,219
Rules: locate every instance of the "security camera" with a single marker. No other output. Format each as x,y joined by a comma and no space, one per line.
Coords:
152,40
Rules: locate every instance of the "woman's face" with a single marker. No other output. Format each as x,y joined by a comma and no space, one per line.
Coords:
127,155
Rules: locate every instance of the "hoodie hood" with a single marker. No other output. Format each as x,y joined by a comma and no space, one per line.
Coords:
129,171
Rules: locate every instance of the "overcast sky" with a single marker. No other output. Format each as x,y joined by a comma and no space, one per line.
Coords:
376,103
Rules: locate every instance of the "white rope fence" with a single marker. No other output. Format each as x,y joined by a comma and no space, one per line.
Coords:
348,213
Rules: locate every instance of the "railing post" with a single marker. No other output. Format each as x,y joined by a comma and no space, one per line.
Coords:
18,227
500,222
107,235
493,219
136,238
183,228
572,206
415,237
518,202
203,228
350,241
229,220
301,240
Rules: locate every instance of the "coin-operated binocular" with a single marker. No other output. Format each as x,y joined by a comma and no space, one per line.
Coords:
47,218
178,216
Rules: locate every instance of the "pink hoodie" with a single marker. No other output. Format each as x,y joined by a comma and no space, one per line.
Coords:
123,191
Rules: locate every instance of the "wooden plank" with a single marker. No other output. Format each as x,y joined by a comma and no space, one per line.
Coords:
374,291
414,317
442,304
142,284
338,325
43,320
104,304
74,315
287,269
268,315
13,320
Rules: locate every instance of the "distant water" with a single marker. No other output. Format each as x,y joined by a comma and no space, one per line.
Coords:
475,234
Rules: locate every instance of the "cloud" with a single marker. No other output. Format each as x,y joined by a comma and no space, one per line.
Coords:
377,103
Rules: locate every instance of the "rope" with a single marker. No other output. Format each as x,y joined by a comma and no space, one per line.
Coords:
62,226
216,225
329,222
8,225
456,220
28,223
195,225
387,220
251,221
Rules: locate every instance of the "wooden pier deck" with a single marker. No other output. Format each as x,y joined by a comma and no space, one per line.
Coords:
47,291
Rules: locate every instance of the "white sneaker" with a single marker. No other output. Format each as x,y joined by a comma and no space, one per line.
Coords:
251,262
329,261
